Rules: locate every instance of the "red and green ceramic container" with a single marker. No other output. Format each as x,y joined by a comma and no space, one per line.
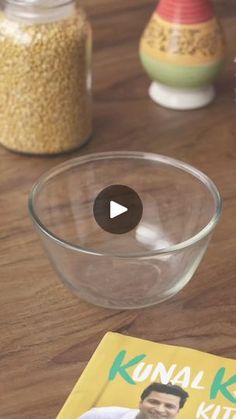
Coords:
182,50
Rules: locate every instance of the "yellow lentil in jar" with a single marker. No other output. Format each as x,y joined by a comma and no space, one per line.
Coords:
45,83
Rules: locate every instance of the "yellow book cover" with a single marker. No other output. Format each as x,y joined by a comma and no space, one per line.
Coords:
130,378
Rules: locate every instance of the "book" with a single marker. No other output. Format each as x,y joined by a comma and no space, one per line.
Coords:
179,383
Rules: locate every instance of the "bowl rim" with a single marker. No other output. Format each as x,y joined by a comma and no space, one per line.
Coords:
88,158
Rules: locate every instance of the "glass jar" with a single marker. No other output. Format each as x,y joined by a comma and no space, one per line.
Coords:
45,76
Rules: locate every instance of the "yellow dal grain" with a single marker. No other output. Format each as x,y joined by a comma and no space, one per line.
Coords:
45,104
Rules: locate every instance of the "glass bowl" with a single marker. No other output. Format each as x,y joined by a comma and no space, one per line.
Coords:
151,263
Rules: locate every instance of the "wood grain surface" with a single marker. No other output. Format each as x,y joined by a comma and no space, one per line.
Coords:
47,335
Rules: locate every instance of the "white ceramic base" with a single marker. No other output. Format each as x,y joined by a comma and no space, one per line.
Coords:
179,98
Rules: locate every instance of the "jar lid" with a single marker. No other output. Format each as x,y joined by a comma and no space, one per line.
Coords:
39,3
39,11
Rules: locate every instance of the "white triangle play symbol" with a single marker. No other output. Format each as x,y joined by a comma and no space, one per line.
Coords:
116,209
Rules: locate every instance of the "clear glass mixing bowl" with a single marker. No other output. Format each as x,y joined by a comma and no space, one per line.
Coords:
181,207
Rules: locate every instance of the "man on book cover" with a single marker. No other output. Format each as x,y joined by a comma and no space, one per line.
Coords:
160,401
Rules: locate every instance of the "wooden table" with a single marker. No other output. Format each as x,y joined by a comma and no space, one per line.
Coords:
48,334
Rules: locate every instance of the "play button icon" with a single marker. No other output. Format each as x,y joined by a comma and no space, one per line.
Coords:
118,209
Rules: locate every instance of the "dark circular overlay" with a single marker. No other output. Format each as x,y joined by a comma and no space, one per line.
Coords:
121,195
